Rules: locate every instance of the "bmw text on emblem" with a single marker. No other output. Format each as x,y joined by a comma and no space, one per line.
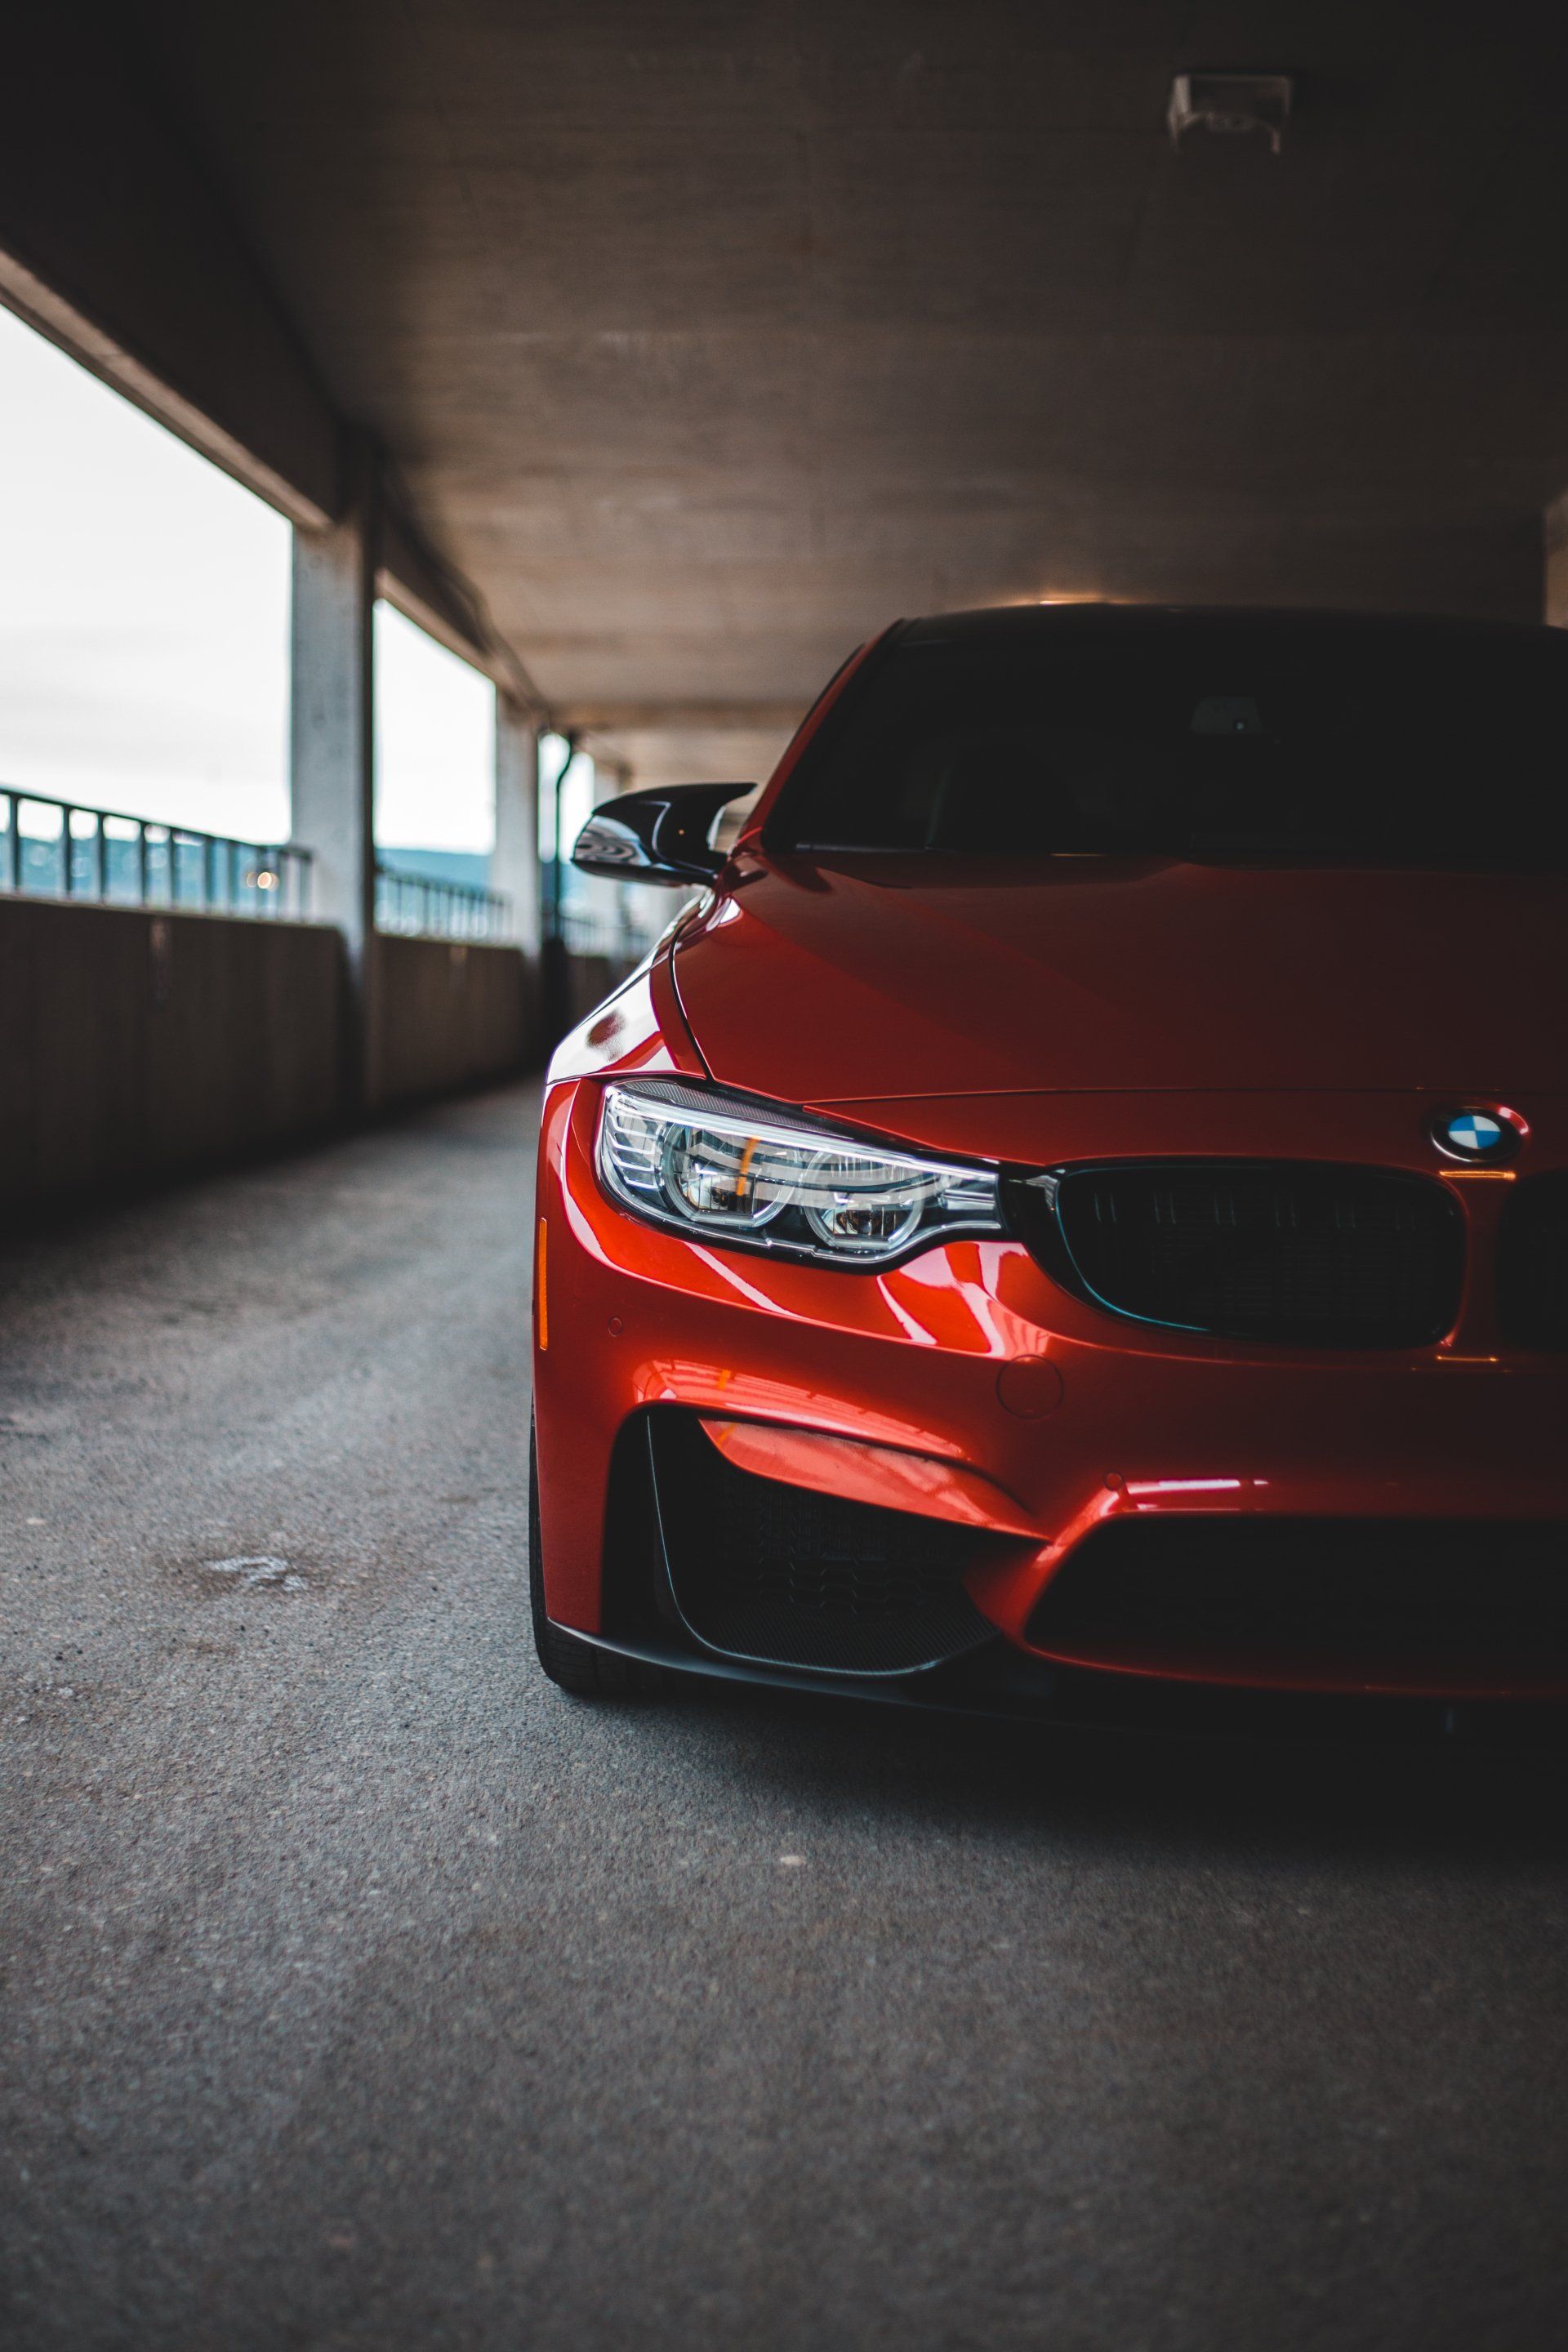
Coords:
1477,1136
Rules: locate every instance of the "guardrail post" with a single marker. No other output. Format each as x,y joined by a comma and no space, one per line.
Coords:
332,739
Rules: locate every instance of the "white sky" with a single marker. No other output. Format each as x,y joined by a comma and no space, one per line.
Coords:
144,624
435,728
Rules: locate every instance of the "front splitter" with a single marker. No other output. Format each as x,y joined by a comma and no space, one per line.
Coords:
1000,1683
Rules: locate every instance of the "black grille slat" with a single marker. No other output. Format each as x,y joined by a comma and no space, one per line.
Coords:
1445,1602
1329,1256
781,1574
1533,1265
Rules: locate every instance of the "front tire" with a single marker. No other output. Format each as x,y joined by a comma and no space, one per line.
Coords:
570,1663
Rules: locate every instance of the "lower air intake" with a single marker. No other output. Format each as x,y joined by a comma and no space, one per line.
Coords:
1441,1605
1349,1257
782,1576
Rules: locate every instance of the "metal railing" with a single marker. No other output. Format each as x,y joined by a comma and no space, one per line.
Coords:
421,905
588,932
58,849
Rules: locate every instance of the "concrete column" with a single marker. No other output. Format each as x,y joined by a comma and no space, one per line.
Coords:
332,740
1555,585
514,868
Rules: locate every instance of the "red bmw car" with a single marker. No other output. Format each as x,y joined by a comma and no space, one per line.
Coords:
1078,1202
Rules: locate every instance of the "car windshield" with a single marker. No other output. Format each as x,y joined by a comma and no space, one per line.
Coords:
1299,742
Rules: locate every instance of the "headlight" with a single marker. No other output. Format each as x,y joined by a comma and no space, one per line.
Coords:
711,1165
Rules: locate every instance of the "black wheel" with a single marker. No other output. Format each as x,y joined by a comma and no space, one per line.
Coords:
575,1664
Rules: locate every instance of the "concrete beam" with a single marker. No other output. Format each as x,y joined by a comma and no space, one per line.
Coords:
115,245
111,241
412,576
63,323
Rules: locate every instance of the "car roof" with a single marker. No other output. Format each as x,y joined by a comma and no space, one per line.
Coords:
1005,623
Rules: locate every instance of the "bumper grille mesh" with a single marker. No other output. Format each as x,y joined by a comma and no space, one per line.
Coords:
1331,1256
1437,1605
776,1573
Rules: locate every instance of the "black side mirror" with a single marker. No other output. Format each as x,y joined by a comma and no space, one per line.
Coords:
657,835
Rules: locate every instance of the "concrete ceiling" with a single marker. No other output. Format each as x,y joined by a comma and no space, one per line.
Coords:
709,337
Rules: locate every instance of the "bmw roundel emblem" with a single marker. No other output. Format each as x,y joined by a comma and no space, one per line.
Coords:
1474,1135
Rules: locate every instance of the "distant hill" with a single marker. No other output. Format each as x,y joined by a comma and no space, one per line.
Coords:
470,865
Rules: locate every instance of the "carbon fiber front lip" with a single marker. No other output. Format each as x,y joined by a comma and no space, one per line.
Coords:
1085,1699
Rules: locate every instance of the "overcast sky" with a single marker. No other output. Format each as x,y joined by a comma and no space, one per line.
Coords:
143,632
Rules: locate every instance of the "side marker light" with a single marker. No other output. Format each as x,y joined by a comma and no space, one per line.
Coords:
540,1297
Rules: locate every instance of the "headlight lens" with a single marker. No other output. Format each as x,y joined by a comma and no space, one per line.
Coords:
709,1164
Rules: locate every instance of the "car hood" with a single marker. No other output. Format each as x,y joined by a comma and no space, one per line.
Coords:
816,984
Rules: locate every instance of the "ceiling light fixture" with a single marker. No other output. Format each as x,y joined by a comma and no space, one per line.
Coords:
1230,103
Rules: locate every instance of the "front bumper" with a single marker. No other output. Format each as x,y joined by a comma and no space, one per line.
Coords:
1119,1424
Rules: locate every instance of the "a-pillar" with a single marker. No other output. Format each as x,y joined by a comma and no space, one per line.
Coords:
514,867
333,744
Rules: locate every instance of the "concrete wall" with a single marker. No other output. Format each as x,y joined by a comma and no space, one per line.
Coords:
136,1045
589,979
449,1015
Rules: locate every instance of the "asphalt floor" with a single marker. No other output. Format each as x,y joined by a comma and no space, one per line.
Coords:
360,1990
